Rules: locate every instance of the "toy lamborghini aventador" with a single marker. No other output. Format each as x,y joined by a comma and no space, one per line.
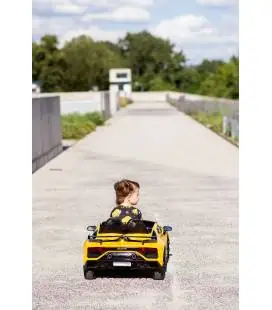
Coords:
142,245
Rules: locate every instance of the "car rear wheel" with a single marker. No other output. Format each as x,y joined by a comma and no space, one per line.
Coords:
168,250
89,275
166,253
159,275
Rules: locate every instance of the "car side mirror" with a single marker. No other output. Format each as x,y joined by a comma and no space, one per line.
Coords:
166,229
91,228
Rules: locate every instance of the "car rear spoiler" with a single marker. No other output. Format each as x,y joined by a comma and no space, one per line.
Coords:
151,239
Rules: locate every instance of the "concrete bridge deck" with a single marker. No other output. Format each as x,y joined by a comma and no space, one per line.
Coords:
189,179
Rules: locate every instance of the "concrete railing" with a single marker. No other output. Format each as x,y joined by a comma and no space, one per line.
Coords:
83,102
46,130
109,104
229,109
151,96
46,119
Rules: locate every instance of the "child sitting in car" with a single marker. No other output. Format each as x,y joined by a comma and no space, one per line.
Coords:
127,197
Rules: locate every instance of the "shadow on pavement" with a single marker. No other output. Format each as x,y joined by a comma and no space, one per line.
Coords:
65,147
136,274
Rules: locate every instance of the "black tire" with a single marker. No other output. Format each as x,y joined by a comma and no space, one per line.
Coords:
89,275
168,251
159,275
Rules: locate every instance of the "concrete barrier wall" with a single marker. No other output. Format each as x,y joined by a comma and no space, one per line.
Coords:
81,102
193,97
190,103
156,96
160,96
104,102
84,106
109,103
46,129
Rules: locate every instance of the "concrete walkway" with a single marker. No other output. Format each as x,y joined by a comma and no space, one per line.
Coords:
189,179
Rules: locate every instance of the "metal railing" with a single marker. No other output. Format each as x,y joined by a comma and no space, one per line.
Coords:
228,109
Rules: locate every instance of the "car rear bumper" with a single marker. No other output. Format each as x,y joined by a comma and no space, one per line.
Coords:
107,262
107,265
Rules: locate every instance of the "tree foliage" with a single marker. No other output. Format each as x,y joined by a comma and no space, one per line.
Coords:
156,64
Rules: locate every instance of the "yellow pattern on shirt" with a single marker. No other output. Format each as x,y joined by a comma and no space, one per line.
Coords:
116,213
135,211
126,219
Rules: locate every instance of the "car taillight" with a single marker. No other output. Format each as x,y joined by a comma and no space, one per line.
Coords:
95,252
149,252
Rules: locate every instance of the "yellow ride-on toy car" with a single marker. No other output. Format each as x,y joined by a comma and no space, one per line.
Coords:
141,245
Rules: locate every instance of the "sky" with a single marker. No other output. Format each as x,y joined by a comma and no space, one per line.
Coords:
201,28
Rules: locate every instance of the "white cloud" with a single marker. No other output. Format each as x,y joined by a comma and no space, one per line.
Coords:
67,28
116,3
69,8
191,30
123,14
52,25
58,6
217,3
198,38
194,34
139,3
94,32
224,52
112,10
79,6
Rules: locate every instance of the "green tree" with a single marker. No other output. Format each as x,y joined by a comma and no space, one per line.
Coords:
155,62
224,82
149,56
48,63
158,84
208,66
79,54
88,64
189,80
36,61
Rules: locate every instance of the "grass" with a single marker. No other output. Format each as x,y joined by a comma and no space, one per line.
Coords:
124,101
75,126
214,122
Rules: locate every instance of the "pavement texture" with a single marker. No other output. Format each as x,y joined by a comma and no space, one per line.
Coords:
189,180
